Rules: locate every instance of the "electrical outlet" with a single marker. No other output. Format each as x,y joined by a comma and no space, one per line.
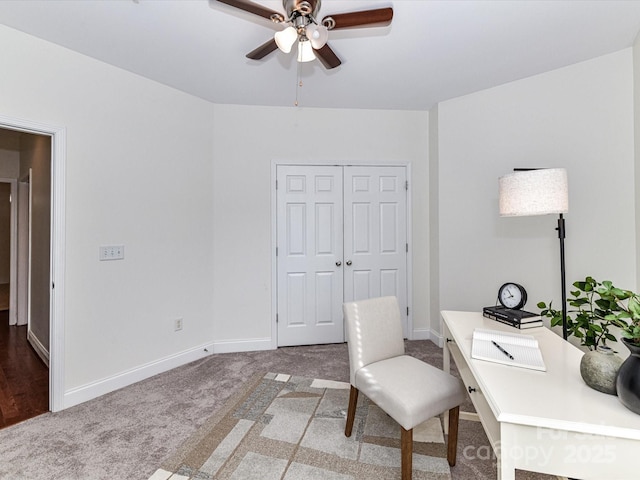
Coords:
111,252
177,326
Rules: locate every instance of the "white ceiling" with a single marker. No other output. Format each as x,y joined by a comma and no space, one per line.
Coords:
432,51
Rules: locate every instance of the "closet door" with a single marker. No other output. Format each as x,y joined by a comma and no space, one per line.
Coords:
375,234
309,257
341,236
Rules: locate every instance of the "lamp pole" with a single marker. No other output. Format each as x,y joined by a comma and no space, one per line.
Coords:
561,236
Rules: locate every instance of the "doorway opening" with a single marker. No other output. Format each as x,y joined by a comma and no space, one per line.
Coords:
25,272
32,161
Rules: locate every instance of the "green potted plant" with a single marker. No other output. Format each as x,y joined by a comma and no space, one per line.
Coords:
628,320
595,307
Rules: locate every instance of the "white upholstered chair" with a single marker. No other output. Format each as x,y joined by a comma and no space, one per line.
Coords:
408,390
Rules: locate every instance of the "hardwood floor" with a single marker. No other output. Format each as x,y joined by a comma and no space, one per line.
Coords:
24,378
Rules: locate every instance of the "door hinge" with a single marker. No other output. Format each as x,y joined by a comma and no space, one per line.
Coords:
407,311
406,247
406,185
53,285
276,318
276,251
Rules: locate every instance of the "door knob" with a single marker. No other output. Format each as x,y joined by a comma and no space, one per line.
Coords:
348,262
338,263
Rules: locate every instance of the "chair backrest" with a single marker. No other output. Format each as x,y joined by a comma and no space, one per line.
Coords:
374,331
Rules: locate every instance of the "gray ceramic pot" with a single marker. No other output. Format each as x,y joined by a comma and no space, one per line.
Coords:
599,369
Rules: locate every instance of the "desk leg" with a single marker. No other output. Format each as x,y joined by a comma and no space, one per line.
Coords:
506,468
506,464
505,471
446,366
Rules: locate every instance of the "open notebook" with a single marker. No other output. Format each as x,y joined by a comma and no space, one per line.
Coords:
507,348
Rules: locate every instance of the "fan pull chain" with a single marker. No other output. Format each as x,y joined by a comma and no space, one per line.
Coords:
298,82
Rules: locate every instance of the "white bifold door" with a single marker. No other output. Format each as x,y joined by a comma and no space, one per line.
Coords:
341,236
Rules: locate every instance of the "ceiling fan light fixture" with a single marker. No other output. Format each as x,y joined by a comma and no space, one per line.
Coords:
286,38
317,35
300,25
305,51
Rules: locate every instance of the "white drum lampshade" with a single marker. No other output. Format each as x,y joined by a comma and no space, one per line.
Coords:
534,192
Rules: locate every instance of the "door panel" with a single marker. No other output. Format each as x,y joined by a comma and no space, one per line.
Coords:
310,283
375,234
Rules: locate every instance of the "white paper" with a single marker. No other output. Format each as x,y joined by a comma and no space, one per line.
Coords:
524,349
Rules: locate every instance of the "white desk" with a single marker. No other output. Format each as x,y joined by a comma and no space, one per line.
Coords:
549,422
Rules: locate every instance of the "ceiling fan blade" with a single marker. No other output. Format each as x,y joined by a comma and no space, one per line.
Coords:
263,50
256,9
327,57
364,18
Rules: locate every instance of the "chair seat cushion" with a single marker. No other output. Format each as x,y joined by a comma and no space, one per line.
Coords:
409,390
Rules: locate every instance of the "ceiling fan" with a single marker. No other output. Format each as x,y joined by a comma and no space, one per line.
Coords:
302,26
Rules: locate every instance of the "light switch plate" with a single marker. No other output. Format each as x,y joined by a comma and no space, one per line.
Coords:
111,252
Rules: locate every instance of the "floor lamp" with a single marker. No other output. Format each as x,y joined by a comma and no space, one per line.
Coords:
539,192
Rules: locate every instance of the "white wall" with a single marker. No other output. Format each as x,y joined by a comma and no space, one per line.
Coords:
636,111
434,225
579,117
139,169
246,142
9,163
140,173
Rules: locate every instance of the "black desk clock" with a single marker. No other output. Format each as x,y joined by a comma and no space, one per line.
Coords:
511,295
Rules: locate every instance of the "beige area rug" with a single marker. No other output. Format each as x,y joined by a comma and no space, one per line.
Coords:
283,427
4,296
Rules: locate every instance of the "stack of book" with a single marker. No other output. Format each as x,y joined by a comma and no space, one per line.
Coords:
516,318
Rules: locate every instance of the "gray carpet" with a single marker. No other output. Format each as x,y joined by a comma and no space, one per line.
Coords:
130,432
284,427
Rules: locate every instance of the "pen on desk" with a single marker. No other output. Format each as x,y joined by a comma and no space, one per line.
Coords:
502,350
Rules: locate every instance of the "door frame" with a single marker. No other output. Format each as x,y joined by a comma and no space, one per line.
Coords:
13,248
274,237
57,250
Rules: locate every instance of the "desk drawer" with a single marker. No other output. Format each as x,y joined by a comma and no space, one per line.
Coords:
489,422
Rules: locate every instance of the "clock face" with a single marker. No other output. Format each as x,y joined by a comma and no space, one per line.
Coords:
512,295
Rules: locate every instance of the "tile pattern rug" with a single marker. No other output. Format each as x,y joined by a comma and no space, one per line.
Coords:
282,427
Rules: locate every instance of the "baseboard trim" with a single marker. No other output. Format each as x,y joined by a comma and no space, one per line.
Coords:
249,345
471,416
78,395
428,334
40,349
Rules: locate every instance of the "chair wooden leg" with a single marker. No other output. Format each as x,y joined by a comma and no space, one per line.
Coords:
406,452
452,443
351,411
